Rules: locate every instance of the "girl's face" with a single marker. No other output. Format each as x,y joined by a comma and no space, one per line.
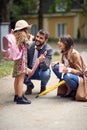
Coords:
61,45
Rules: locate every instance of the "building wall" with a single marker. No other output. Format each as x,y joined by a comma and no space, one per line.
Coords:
53,21
72,21
82,23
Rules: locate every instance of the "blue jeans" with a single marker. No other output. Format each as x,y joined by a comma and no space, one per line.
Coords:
39,74
71,79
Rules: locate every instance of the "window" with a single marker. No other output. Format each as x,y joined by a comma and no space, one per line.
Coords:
34,29
60,7
60,29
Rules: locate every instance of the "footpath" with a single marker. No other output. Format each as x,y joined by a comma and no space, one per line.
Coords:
48,112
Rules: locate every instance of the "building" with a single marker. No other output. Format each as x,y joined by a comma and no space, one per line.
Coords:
57,22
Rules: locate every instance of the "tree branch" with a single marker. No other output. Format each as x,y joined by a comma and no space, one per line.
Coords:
80,5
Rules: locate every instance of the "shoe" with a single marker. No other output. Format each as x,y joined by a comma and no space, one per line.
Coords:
21,100
67,95
73,93
29,89
43,88
16,97
25,98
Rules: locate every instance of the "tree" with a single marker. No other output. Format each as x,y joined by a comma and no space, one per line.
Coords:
69,4
40,15
82,6
4,10
13,9
20,8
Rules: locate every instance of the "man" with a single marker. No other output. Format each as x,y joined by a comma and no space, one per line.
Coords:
43,71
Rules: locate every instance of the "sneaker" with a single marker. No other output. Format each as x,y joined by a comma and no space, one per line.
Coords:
21,100
16,97
25,98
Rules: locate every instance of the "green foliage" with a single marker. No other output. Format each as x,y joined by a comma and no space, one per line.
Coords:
62,4
22,7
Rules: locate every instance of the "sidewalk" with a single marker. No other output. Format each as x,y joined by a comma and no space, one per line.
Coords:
48,112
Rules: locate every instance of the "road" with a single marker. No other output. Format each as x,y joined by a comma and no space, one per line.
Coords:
48,112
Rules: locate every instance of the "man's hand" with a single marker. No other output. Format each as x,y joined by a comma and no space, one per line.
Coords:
41,58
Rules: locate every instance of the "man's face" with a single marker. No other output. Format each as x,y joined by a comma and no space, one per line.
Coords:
40,39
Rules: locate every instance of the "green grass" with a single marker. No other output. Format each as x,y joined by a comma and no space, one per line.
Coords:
7,66
56,57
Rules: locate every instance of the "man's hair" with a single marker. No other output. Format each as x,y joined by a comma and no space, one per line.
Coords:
44,32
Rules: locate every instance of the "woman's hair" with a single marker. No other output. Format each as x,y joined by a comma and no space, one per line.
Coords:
67,41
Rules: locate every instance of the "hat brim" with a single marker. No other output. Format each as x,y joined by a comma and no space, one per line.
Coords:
16,29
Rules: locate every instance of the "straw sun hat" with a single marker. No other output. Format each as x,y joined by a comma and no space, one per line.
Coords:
21,24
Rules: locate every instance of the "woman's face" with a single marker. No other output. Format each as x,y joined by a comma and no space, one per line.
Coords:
61,45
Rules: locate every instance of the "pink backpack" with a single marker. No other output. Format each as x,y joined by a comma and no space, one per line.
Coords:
10,49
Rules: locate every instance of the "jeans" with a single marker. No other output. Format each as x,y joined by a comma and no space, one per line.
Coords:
39,74
71,79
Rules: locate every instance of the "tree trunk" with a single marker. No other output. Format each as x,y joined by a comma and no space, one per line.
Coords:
40,15
4,11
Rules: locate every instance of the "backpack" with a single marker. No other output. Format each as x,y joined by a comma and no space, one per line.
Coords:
10,50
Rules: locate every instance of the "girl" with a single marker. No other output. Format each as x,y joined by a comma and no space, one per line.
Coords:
20,66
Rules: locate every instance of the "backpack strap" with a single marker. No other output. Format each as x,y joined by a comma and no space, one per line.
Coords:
23,51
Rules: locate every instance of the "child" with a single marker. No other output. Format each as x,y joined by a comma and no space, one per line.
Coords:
20,66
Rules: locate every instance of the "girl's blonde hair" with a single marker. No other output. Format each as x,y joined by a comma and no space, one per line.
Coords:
21,35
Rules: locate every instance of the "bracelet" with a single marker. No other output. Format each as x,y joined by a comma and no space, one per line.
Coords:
69,70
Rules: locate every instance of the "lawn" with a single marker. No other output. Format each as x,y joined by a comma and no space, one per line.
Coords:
5,67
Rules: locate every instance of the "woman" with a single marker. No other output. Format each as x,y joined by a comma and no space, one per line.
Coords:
74,71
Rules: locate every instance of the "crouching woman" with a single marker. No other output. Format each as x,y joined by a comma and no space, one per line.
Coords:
74,70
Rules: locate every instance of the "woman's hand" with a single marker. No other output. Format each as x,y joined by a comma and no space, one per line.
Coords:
65,69
53,63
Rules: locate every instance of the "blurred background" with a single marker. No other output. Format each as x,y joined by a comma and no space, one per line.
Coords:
57,16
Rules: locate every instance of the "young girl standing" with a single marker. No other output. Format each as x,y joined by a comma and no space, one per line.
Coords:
20,66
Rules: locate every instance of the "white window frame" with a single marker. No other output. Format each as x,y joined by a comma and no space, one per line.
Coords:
61,29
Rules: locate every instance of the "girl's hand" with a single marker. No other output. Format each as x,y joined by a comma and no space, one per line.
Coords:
29,72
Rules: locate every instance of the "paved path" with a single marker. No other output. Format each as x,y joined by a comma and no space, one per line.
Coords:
47,112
